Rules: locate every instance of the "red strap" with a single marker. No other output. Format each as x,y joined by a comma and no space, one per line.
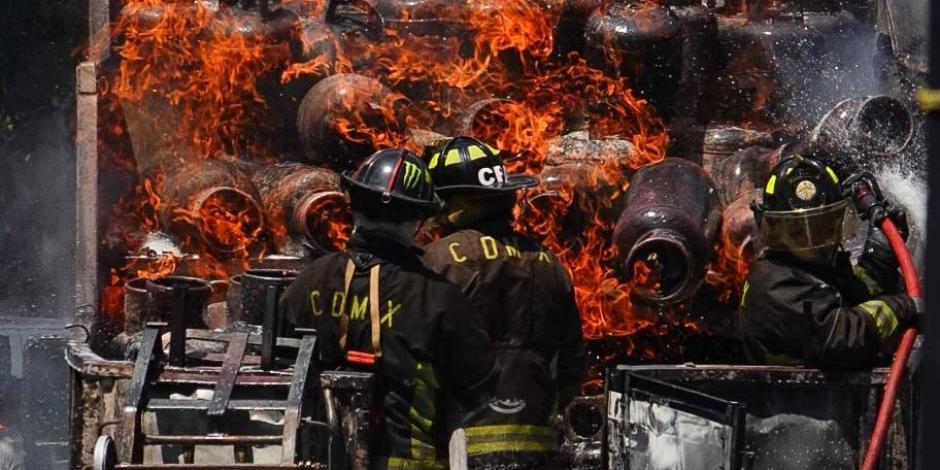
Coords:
361,358
391,181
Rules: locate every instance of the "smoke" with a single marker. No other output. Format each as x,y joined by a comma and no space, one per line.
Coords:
37,213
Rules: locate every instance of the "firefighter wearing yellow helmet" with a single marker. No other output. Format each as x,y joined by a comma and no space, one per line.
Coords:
526,300
804,302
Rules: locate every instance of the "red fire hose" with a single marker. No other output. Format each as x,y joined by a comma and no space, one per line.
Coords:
912,284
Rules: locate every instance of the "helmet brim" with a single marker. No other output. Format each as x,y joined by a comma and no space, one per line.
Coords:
387,197
512,183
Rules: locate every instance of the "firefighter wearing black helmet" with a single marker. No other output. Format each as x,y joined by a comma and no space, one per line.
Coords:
524,295
804,302
376,306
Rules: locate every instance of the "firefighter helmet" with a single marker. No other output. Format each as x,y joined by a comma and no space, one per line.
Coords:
392,177
803,208
465,164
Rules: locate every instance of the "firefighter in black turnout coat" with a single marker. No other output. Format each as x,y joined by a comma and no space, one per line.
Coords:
804,303
526,300
377,299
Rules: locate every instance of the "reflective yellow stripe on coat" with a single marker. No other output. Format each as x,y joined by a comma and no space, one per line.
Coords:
510,438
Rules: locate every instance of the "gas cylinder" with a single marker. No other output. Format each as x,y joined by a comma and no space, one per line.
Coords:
863,133
669,223
347,117
305,208
207,202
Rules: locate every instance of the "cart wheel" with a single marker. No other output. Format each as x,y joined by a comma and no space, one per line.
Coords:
105,454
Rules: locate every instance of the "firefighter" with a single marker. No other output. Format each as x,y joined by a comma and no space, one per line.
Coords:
375,306
524,295
804,303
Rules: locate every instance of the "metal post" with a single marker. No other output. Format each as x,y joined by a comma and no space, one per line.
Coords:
269,329
86,213
86,163
178,326
930,416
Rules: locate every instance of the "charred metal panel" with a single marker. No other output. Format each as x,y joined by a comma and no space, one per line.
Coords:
45,403
802,418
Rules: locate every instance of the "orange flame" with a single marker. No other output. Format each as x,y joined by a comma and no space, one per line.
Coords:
206,64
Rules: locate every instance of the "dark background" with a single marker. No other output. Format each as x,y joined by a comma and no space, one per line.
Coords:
41,42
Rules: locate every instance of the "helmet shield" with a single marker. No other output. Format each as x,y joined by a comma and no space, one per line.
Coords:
808,229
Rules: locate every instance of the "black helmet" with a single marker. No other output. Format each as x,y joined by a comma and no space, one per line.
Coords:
803,207
392,176
465,164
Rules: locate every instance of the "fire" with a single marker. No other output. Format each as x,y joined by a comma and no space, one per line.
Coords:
194,73
203,63
607,309
224,220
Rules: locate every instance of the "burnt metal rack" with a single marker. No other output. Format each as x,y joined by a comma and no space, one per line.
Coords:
232,373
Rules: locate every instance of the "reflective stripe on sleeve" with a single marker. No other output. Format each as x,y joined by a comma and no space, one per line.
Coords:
886,322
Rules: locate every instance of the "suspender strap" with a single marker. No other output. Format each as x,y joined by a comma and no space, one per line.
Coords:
374,313
343,318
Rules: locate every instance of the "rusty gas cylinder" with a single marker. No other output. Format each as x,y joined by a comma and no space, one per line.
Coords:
863,132
312,48
572,196
745,170
347,117
669,225
661,47
305,208
208,202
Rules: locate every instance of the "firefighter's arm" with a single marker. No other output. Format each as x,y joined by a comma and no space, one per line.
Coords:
810,320
877,267
859,335
572,358
468,361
